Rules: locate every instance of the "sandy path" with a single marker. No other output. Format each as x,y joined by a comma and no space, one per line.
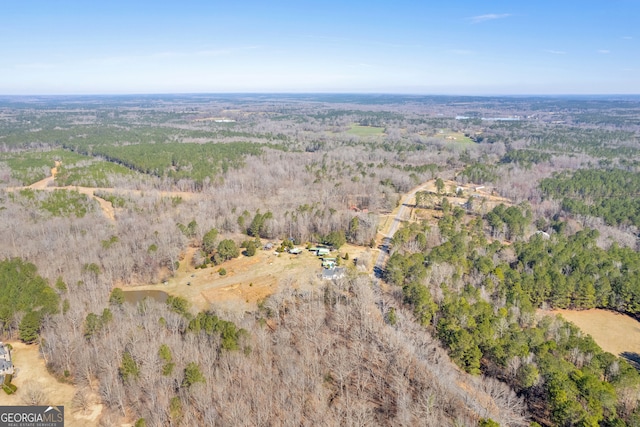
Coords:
105,206
44,183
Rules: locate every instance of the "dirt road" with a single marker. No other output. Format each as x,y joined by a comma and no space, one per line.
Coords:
399,217
47,184
44,183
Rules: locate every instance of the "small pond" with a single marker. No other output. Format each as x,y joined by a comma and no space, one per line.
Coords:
135,297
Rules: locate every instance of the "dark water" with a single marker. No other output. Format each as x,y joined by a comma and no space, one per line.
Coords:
135,297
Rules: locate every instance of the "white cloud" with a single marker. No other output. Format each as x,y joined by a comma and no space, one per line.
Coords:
556,52
488,17
603,51
627,38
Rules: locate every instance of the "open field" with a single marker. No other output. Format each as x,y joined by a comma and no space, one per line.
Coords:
365,130
614,332
32,374
248,281
452,136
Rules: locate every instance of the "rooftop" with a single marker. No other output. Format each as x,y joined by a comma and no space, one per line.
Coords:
333,273
6,366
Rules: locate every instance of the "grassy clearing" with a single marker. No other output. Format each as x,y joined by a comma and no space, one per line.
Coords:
452,136
616,333
33,374
365,130
248,280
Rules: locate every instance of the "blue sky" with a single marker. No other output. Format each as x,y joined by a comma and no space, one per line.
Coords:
425,47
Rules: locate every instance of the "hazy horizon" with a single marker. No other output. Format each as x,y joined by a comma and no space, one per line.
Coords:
410,95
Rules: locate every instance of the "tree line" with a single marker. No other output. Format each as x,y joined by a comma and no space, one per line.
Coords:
480,299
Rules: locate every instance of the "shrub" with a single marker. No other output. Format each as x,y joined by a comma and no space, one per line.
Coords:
227,249
116,297
192,375
9,388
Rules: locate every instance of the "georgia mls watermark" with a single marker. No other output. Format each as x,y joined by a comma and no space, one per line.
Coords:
31,416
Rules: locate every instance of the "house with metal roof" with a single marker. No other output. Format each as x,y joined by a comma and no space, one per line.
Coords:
333,273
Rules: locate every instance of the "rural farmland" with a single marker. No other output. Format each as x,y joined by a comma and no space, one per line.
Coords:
310,239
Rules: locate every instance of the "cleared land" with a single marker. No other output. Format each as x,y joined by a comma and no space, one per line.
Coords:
484,201
248,280
31,373
365,130
614,332
453,136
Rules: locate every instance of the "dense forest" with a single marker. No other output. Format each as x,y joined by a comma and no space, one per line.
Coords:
503,220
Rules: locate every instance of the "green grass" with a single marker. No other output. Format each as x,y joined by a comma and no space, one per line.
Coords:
365,130
454,137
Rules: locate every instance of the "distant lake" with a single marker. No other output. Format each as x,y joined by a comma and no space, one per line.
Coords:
135,297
